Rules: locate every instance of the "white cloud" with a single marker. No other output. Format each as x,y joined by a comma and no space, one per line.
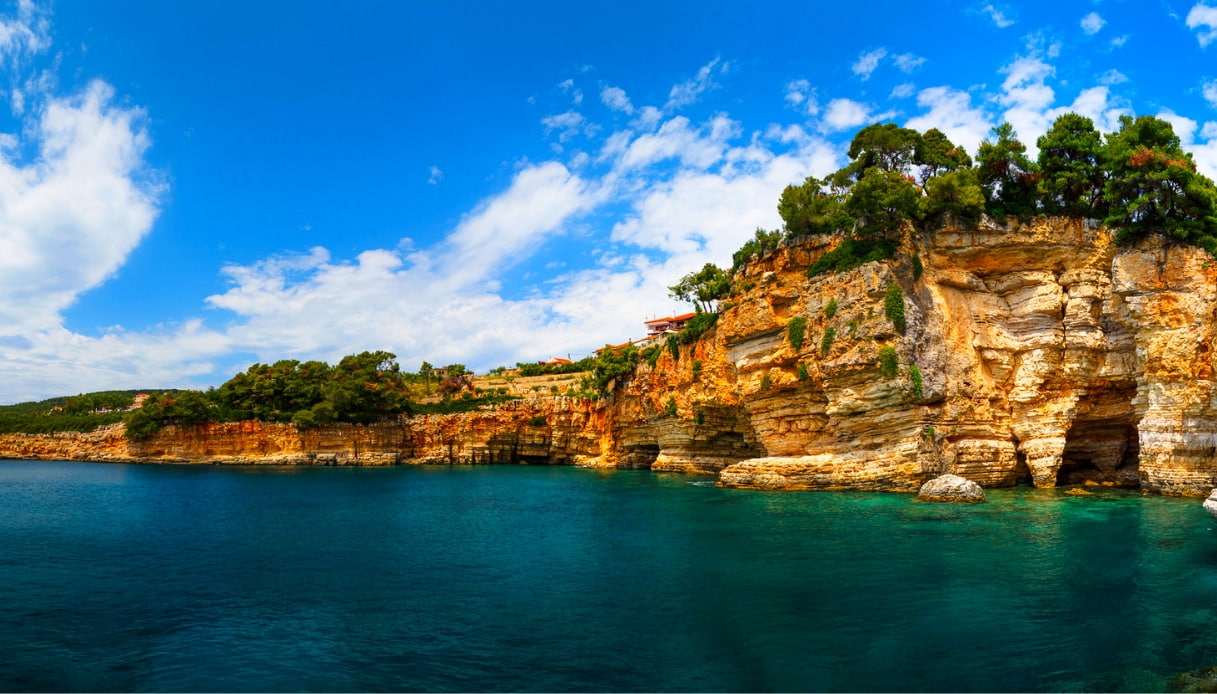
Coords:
997,15
1209,132
868,62
1209,90
1184,127
952,112
698,148
616,99
1113,77
567,125
843,114
568,86
1027,97
903,91
1119,41
69,221
800,94
1092,23
436,175
907,62
1097,104
1203,18
690,90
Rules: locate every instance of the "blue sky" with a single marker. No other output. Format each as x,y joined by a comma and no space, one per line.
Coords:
189,187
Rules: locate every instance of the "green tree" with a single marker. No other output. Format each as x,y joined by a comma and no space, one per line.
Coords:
884,146
809,209
1153,185
1071,171
1008,177
702,288
936,155
760,244
954,195
881,201
425,371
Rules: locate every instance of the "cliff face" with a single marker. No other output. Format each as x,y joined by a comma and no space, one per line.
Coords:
1044,354
1034,353
561,431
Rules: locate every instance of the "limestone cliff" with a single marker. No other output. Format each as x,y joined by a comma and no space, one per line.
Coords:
1045,354
1036,352
561,431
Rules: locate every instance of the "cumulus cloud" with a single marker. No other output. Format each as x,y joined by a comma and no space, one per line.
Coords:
1209,90
1203,18
1092,23
843,114
952,112
1027,96
866,63
616,99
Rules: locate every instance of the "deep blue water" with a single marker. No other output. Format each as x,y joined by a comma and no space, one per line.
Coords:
188,578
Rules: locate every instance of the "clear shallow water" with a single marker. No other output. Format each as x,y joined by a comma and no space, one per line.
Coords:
168,578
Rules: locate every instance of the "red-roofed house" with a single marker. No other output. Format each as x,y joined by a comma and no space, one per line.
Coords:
659,325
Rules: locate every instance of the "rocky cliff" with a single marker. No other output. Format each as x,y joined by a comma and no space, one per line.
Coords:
1036,352
560,431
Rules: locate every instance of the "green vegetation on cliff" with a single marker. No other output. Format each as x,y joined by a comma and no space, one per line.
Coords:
1137,179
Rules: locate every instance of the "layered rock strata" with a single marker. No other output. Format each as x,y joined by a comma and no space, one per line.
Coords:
1036,353
560,431
1032,353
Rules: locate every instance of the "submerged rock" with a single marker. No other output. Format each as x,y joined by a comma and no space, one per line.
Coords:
1210,504
951,488
1202,680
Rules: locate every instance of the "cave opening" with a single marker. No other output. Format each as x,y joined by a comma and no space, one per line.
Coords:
1022,473
639,456
1102,452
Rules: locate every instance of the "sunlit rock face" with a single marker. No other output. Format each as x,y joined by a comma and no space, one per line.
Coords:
1046,355
1036,353
557,431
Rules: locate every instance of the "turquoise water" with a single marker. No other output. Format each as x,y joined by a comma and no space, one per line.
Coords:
176,578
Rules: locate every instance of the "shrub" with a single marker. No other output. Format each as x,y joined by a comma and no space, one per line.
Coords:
831,309
695,327
915,377
699,419
889,361
670,408
803,376
537,421
853,253
918,268
853,328
765,382
794,331
893,306
651,354
827,340
674,348
696,369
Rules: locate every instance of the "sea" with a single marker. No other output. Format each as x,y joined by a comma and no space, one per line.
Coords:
182,578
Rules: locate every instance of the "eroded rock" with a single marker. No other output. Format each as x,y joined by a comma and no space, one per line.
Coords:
951,488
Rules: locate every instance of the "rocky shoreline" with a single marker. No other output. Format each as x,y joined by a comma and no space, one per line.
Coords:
1034,353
